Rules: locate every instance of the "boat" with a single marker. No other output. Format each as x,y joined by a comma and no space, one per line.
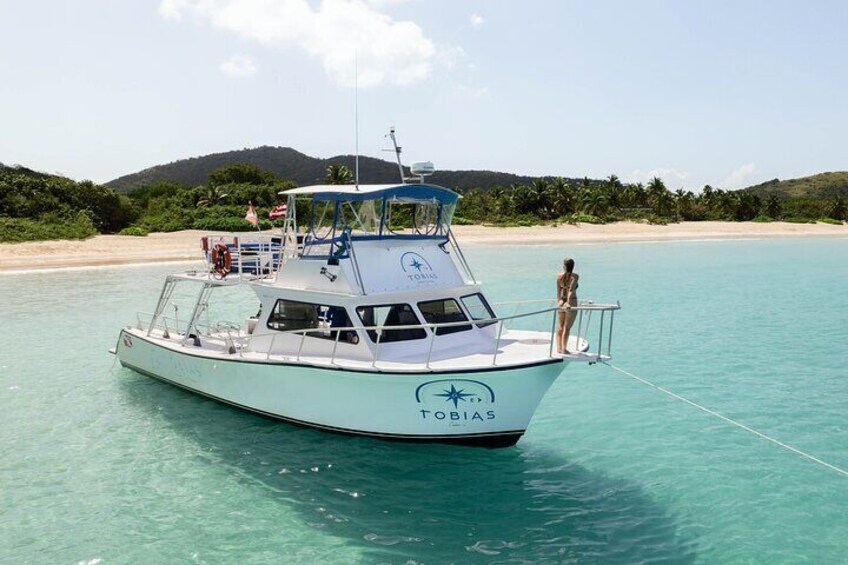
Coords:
370,322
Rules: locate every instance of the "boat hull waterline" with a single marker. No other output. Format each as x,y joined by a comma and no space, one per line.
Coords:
479,407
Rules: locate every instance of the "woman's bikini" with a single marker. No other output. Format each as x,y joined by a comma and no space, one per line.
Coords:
565,285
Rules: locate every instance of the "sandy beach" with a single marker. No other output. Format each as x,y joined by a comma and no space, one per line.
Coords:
105,250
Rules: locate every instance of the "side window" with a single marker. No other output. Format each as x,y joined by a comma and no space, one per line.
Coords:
478,308
391,315
443,311
290,315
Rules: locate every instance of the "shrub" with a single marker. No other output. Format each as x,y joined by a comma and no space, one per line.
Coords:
655,220
762,219
229,223
830,221
583,218
797,220
14,230
134,230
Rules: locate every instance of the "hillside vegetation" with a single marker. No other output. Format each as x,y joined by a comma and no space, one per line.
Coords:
822,185
37,206
301,169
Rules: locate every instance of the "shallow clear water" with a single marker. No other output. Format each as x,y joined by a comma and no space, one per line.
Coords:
101,463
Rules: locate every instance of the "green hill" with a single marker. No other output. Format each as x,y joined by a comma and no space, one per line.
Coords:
36,205
822,185
304,170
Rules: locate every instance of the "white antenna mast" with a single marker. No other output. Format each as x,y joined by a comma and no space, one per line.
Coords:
356,111
397,153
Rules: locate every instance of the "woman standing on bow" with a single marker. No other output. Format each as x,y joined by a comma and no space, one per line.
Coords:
567,282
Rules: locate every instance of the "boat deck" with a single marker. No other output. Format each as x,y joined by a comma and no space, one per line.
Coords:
517,348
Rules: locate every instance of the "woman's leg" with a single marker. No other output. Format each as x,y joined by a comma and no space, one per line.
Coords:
560,327
570,316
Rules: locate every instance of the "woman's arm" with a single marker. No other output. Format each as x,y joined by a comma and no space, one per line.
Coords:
559,290
572,282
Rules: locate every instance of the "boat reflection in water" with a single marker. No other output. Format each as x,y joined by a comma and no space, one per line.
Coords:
390,502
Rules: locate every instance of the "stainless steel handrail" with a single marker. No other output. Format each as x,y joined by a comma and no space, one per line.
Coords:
356,273
461,255
244,341
433,327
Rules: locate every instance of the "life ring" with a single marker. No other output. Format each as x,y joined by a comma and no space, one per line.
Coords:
222,259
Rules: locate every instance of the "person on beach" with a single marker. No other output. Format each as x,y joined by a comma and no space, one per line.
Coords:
567,282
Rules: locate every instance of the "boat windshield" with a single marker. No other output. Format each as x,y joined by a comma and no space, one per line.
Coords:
407,211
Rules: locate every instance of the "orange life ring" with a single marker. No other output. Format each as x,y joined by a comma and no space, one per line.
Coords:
222,259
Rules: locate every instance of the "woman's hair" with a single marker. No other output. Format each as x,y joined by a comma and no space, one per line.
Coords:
568,263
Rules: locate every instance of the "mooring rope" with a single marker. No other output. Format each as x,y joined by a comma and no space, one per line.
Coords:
730,421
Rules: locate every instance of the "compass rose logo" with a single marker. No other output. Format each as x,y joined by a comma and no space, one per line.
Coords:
457,396
416,267
457,402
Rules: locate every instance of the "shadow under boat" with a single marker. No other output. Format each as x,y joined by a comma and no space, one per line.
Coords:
432,503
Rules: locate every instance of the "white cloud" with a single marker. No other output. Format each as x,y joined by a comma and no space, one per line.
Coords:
238,66
472,91
477,20
388,51
672,178
736,179
385,3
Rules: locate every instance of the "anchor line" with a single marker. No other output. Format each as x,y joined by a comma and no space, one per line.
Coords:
731,421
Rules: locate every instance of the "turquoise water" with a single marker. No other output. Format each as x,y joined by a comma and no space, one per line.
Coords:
101,463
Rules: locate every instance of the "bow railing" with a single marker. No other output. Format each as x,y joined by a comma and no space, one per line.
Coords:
504,338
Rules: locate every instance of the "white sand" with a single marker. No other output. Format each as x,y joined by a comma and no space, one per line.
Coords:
105,250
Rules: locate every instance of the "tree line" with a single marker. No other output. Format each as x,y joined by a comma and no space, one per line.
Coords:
35,206
610,200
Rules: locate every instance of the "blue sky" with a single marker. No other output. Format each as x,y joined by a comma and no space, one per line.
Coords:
719,92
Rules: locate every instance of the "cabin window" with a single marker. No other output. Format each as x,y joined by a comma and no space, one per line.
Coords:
441,312
289,315
391,315
479,309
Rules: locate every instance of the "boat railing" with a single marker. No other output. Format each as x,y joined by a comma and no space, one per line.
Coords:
144,321
253,255
460,257
500,326
593,323
354,263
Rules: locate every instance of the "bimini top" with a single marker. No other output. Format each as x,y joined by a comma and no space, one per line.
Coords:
409,192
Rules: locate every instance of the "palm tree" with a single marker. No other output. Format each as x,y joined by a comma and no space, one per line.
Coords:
540,193
723,203
747,206
594,202
523,198
773,208
836,209
659,197
614,192
210,196
338,174
684,202
634,195
562,196
663,203
656,187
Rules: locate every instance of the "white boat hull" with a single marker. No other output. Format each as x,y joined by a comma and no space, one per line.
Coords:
486,406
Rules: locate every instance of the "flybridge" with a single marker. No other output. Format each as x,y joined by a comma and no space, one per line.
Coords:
363,230
365,191
339,214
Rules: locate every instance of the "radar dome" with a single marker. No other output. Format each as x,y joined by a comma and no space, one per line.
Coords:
422,168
